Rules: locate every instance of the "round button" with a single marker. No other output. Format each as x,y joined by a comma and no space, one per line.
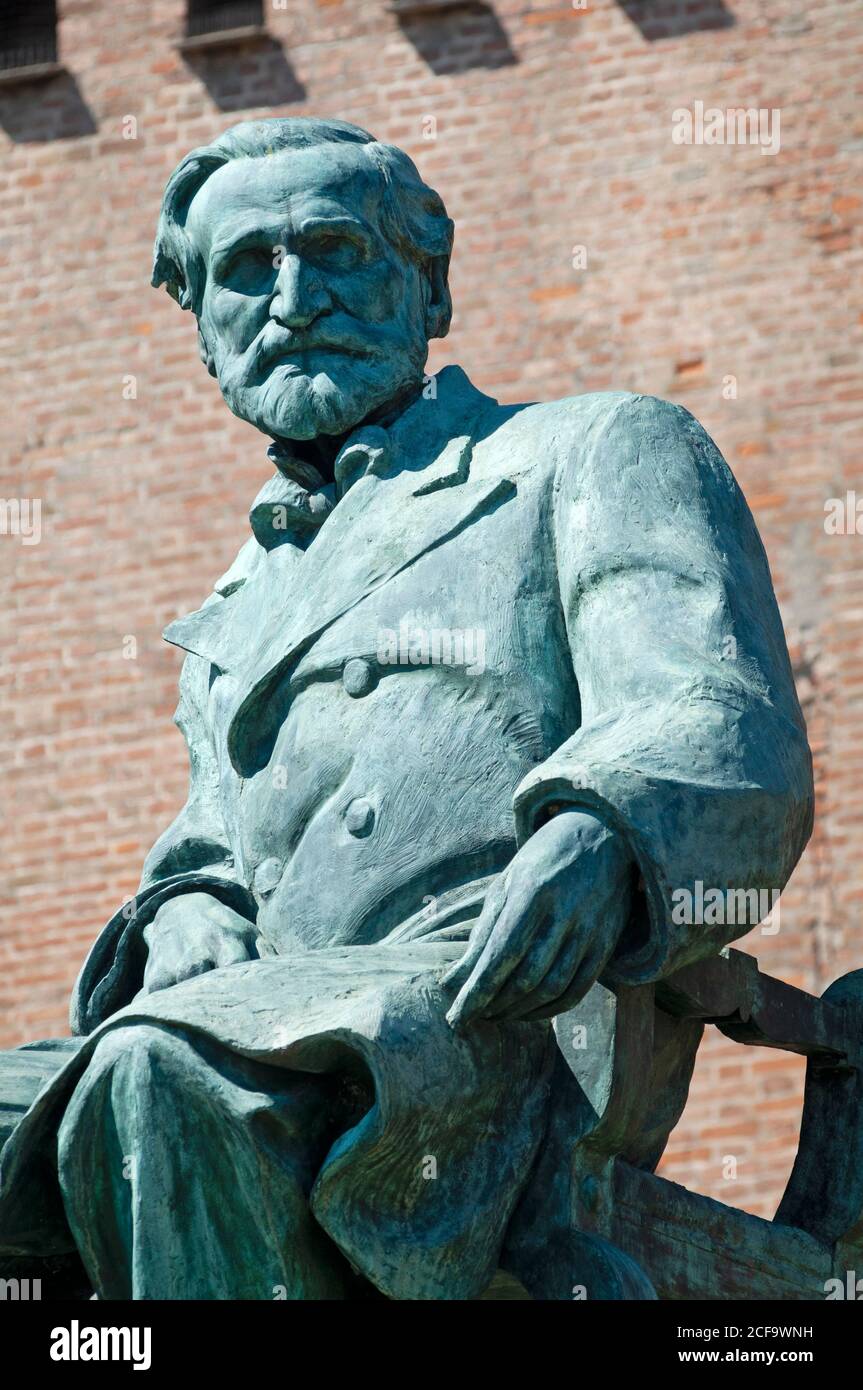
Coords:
358,677
360,817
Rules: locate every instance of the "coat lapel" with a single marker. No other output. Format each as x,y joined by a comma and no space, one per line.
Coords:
386,521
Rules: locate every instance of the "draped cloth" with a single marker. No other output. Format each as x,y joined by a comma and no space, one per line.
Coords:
416,1193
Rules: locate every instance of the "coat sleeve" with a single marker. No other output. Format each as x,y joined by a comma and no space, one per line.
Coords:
691,740
192,856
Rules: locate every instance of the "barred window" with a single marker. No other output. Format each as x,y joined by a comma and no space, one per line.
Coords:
205,17
28,33
425,7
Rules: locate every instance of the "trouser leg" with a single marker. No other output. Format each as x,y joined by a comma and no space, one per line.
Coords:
185,1172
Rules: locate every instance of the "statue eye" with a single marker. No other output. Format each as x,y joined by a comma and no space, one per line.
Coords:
337,249
250,266
258,255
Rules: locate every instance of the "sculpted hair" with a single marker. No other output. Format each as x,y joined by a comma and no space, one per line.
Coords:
413,216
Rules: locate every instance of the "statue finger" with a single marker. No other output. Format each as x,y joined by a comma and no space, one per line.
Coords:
152,984
543,955
547,1004
193,968
463,968
232,951
501,956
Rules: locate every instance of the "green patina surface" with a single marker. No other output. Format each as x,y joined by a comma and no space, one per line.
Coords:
484,690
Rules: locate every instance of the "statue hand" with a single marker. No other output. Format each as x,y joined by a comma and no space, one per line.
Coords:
191,934
548,925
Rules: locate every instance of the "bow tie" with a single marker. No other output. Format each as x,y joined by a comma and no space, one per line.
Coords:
296,500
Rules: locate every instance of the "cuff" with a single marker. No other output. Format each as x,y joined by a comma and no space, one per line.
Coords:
114,969
706,795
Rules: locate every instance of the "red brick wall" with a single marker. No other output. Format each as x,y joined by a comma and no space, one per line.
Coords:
553,130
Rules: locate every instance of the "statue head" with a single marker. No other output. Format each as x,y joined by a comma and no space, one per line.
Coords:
315,261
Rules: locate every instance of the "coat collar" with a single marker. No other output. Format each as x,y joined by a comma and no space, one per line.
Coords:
402,491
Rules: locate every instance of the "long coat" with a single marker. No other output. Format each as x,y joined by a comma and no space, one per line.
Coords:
504,609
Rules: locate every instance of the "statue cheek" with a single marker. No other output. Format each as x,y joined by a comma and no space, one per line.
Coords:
376,294
234,320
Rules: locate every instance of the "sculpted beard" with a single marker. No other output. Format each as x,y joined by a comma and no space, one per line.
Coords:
298,385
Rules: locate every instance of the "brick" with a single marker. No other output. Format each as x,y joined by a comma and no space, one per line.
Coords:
553,131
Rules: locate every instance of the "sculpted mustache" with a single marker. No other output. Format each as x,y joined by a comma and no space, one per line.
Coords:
269,346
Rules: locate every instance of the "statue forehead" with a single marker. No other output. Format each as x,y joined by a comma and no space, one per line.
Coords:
285,186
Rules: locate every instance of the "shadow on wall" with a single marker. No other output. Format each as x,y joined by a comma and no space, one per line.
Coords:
666,19
455,40
244,75
49,110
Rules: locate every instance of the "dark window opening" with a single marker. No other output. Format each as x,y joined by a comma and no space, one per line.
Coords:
205,17
28,33
423,8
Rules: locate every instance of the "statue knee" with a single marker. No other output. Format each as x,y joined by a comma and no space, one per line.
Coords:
123,1064
133,1050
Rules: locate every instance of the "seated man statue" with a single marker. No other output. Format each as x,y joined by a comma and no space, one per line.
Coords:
484,690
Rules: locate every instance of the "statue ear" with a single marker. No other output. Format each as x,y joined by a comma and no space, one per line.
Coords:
439,302
206,355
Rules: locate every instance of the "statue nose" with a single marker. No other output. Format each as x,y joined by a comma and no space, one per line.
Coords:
298,295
